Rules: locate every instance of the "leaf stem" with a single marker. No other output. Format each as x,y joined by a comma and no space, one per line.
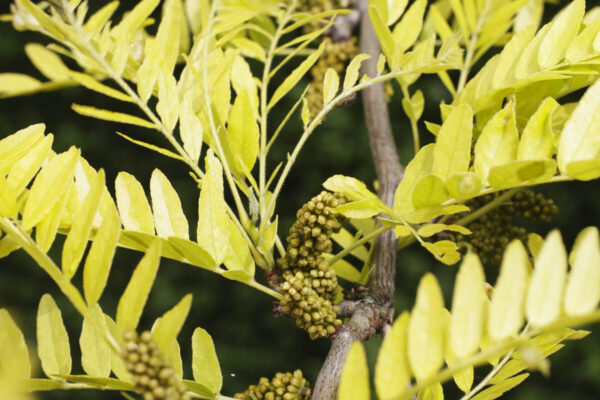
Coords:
317,120
488,377
63,283
358,243
264,112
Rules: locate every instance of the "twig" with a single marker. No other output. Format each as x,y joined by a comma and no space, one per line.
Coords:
368,318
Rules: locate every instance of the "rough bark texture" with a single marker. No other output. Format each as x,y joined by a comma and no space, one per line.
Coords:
371,315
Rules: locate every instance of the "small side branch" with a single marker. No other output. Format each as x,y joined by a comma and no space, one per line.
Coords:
367,319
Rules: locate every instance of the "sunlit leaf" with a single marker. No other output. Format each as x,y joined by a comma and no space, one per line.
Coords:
53,342
354,381
205,364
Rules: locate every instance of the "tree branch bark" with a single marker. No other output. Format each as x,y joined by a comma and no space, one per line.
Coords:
369,317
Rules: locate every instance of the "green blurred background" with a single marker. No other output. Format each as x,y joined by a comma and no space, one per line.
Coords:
250,342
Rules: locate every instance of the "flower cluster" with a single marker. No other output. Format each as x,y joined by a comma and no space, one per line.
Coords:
152,375
493,231
309,286
286,386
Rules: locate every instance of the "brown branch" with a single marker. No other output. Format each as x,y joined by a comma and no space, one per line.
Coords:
368,318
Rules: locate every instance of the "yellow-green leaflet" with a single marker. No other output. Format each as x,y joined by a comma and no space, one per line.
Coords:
529,15
95,350
242,80
331,84
497,143
429,191
417,168
504,74
12,83
583,288
392,371
95,23
47,62
527,63
383,34
168,326
174,356
46,229
514,173
133,206
414,106
359,209
508,299
91,83
205,364
243,131
169,35
409,28
148,72
15,146
190,129
295,76
169,218
452,152
353,70
544,298
112,116
117,364
350,187
132,21
583,45
461,18
14,356
579,140
497,390
354,382
48,186
168,101
537,141
267,238
99,260
395,10
433,229
425,333
468,307
213,227
193,253
53,342
464,377
23,171
433,392
562,33
238,256
8,200
345,270
131,303
77,238
344,238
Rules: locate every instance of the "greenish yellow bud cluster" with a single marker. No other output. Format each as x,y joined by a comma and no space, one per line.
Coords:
493,231
151,374
532,206
309,286
337,55
286,386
